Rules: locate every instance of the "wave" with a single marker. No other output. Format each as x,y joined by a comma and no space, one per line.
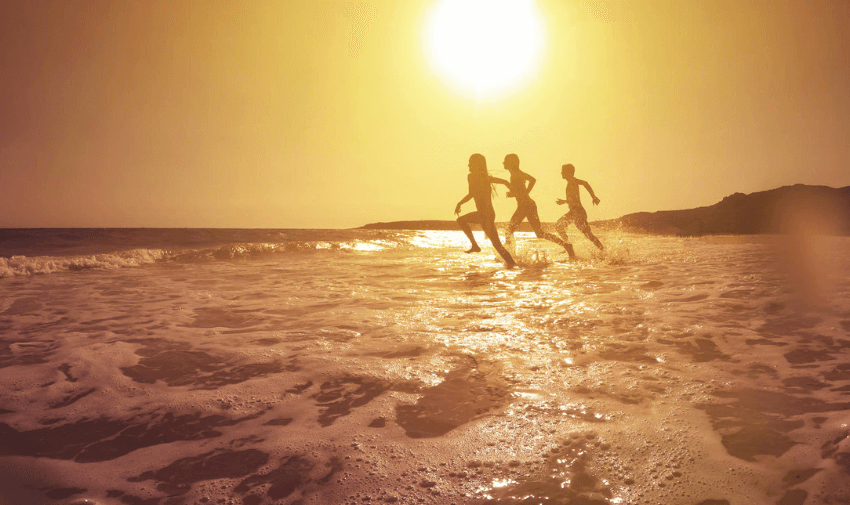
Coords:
35,265
23,265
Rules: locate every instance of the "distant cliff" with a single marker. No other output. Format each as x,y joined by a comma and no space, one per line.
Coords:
413,225
786,209
781,210
434,225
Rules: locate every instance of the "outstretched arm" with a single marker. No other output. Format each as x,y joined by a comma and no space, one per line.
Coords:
590,190
501,181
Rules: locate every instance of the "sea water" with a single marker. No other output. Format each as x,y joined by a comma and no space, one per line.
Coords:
351,366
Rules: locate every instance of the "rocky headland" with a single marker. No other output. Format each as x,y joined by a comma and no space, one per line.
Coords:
788,209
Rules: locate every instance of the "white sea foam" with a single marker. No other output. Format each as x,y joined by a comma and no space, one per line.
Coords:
664,370
22,265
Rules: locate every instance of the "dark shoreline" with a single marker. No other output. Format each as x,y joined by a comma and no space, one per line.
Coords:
819,208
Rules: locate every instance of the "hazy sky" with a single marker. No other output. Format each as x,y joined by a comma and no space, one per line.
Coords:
311,114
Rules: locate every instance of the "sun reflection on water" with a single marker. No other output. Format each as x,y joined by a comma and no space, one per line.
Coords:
434,239
502,483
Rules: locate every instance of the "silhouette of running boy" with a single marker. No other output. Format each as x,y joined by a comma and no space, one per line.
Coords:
481,189
577,214
526,208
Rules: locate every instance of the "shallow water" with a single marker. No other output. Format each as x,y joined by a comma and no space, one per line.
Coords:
361,367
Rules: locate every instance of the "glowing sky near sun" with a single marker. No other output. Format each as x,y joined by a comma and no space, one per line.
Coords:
336,114
485,48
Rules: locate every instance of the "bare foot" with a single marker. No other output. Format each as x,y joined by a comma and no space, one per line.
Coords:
569,248
474,249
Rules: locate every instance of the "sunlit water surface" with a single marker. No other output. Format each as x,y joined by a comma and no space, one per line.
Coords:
391,367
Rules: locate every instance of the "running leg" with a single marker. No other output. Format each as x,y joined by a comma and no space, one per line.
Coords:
463,221
534,220
513,224
585,228
493,235
561,227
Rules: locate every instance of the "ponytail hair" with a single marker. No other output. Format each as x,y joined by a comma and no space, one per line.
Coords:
481,163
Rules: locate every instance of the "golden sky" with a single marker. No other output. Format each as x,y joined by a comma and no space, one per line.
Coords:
312,114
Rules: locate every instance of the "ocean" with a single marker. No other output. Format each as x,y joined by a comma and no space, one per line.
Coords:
168,367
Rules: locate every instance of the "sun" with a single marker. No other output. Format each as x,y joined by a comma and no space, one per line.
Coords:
485,48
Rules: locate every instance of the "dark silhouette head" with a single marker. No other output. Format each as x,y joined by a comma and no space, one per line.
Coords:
477,163
511,162
568,171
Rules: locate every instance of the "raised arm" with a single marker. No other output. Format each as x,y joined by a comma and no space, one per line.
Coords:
590,190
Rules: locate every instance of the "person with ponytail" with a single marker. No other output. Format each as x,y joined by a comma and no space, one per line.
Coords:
481,189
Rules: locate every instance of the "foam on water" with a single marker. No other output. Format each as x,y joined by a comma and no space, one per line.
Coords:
108,249
401,370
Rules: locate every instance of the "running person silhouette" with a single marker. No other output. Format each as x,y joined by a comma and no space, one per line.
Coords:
481,189
577,214
525,206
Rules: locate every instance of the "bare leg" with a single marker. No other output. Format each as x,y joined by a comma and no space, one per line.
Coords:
561,226
585,228
463,222
514,223
490,231
534,220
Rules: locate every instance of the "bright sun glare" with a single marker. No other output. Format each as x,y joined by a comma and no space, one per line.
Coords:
485,48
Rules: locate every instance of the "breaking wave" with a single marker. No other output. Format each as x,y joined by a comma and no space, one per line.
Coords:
21,265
